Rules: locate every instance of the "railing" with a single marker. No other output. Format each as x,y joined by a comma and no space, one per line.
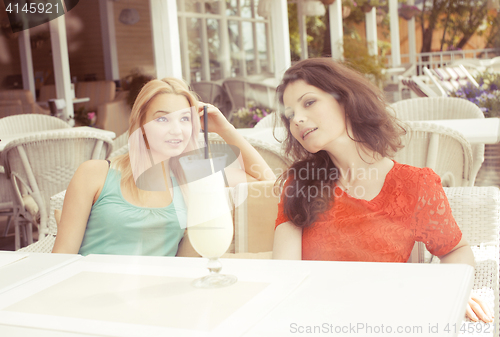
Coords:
443,58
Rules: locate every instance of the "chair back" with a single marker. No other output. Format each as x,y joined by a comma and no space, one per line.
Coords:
213,93
99,92
256,209
421,87
10,108
442,149
262,95
45,163
476,211
30,123
28,105
434,108
237,90
271,153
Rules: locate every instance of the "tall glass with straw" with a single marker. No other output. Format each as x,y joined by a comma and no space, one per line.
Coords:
209,220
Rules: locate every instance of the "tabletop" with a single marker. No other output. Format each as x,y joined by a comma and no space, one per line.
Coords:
475,130
108,295
4,140
17,268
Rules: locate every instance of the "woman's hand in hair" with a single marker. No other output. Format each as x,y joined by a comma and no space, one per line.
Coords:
217,122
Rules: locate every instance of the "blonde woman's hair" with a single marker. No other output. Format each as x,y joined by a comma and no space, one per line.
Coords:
138,159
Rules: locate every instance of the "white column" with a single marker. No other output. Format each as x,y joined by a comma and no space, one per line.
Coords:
302,30
269,47
109,40
336,30
186,66
255,45
27,62
241,46
371,31
394,26
225,51
412,41
281,37
62,76
205,54
165,31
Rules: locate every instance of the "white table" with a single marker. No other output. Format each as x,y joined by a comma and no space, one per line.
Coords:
333,296
4,140
29,267
476,130
75,100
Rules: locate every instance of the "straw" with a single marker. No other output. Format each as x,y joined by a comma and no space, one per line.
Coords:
205,131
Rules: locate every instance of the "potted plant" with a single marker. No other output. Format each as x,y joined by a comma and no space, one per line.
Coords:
248,117
487,98
408,12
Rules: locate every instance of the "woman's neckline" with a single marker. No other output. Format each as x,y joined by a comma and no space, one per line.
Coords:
390,172
174,183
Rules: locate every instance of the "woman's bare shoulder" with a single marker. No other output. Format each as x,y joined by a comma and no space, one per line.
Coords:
92,171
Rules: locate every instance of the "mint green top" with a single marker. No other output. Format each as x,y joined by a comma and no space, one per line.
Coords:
116,226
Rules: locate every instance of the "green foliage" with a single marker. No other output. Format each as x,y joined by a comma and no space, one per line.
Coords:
357,57
134,83
316,28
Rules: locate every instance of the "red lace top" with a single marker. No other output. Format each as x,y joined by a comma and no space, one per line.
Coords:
411,206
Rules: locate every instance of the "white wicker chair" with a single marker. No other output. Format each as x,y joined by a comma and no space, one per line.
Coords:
269,121
271,153
432,108
442,149
30,123
43,165
45,245
120,145
477,212
7,205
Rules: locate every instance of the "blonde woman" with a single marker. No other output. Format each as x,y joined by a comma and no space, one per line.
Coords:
105,209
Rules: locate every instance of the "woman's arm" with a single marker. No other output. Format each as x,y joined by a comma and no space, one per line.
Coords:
476,308
254,165
287,242
83,190
461,253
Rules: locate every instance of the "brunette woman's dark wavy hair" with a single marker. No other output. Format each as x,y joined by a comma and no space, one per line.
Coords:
372,125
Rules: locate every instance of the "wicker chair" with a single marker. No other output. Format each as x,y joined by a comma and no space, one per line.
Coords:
43,165
269,121
442,149
432,108
271,153
213,93
477,212
237,91
120,145
30,123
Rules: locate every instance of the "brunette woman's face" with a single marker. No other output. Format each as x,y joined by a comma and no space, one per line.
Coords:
317,120
168,126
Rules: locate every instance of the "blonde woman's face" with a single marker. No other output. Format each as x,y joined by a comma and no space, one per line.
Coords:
168,126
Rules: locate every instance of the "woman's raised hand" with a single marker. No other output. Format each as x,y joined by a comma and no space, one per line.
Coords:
478,310
217,122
